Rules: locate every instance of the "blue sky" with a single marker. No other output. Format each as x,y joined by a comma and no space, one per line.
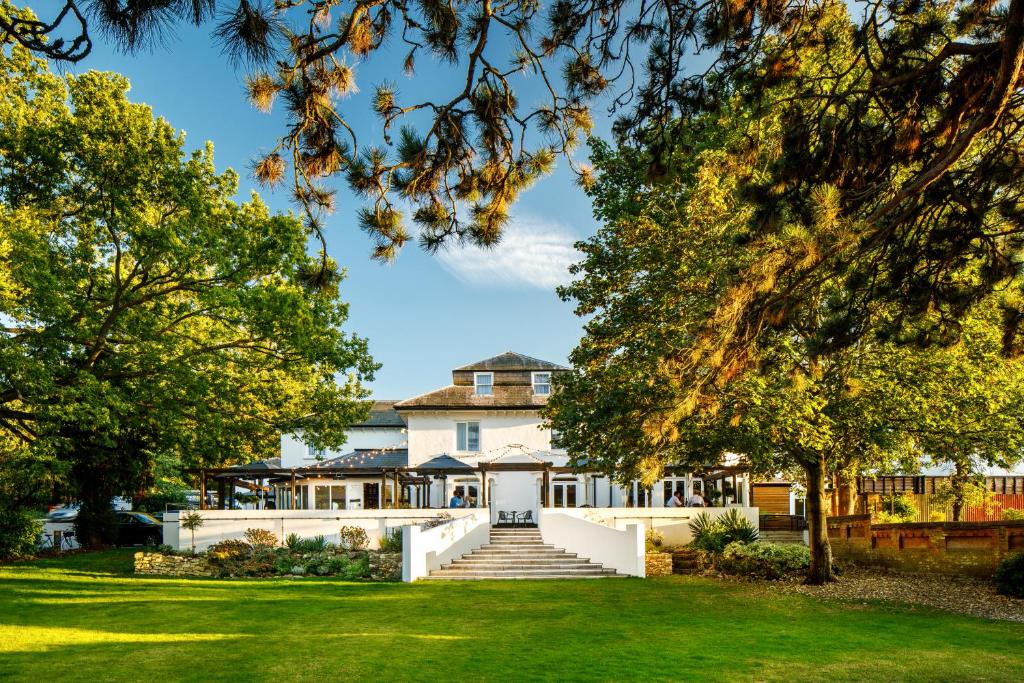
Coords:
423,315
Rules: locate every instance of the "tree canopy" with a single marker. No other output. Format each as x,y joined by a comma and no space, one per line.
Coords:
143,310
911,114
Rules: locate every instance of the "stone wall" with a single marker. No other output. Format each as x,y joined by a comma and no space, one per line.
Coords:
172,565
658,564
959,548
386,566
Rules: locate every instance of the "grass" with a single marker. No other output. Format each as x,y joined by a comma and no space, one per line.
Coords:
85,617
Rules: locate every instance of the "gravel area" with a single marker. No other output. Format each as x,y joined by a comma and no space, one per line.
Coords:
973,597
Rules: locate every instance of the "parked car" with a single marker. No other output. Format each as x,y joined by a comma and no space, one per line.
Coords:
139,528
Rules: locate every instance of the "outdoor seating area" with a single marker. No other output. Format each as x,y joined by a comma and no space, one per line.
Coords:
511,519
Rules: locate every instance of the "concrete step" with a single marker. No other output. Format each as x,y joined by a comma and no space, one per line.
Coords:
516,573
509,564
435,577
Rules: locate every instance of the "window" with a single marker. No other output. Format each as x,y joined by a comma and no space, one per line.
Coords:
484,383
329,497
467,436
541,383
314,453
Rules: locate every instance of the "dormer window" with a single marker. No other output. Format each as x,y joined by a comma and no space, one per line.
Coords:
541,383
313,453
484,383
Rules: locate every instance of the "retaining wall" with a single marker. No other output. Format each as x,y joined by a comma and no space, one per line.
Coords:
958,548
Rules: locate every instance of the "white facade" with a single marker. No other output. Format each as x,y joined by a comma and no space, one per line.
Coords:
295,453
433,433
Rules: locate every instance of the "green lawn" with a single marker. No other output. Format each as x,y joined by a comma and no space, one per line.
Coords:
87,618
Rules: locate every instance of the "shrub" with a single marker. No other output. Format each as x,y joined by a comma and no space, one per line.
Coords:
316,544
19,533
260,538
714,535
936,516
229,550
1009,576
896,508
293,542
357,569
354,538
1012,515
764,560
392,541
654,541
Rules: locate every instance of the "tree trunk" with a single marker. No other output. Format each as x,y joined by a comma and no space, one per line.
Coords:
820,571
847,494
958,482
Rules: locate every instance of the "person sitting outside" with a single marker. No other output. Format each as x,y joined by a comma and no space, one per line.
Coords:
696,500
456,501
676,501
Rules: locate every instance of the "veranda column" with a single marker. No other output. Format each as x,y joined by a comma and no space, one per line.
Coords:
202,489
293,489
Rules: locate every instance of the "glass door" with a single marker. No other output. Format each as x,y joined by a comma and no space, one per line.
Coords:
566,494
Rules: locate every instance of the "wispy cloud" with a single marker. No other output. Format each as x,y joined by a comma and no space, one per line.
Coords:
533,252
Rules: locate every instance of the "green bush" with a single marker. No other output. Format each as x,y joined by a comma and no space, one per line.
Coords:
764,560
654,541
230,550
1009,576
358,569
354,538
896,508
19,533
1012,515
260,538
714,535
392,541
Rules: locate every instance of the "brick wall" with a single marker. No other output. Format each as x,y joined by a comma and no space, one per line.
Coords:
961,548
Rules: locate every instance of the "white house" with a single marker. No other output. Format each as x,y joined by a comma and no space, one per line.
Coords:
481,436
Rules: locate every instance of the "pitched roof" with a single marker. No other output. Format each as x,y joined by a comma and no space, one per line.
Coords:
443,462
507,397
510,360
367,458
382,414
268,464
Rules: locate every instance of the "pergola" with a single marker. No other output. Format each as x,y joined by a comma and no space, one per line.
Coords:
422,476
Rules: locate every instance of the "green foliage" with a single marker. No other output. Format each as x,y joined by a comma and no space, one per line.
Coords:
1009,576
358,568
353,538
192,521
714,535
1013,515
764,560
96,524
230,550
896,508
19,533
151,320
653,541
260,539
392,541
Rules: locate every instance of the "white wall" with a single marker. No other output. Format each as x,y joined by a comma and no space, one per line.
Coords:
426,550
618,549
295,453
433,433
673,523
219,525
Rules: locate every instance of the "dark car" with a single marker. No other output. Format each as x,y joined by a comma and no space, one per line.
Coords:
139,528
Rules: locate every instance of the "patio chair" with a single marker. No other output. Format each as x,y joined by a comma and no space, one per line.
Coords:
526,518
506,518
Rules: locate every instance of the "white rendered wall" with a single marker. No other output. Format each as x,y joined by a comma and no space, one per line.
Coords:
431,434
618,549
295,453
425,550
673,523
219,525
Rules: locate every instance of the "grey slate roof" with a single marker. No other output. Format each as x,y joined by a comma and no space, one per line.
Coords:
268,464
368,458
442,462
510,360
382,414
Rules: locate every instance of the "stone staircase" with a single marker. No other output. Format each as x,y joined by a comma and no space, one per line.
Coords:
520,554
781,536
685,561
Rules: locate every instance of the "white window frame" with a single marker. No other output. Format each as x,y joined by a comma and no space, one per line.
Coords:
315,454
534,383
479,434
476,384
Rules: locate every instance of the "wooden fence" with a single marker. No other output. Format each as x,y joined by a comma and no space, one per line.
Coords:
993,512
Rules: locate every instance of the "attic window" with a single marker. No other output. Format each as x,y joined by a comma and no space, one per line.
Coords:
541,383
484,383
